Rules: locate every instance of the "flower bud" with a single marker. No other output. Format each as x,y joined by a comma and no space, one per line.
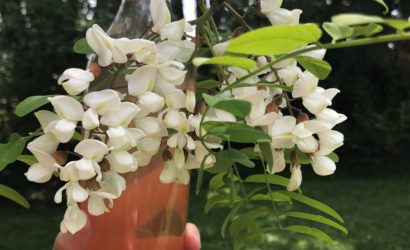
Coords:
60,157
238,31
302,117
272,107
95,69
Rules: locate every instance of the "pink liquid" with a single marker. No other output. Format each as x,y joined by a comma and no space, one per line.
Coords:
149,215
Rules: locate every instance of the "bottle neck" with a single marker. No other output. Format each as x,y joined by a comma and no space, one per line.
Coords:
131,20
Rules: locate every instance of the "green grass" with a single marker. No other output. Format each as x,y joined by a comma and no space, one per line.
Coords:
376,213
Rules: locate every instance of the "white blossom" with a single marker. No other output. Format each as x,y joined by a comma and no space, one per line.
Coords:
75,81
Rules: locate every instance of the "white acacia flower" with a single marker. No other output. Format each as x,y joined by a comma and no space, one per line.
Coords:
279,162
175,31
111,50
149,145
284,16
190,101
285,134
323,165
180,123
160,14
150,102
305,85
180,51
161,77
220,48
96,202
194,160
295,178
46,143
270,5
112,183
42,171
122,116
103,101
99,103
173,174
290,74
75,81
92,151
329,140
258,115
69,112
282,132
122,161
331,117
319,99
74,219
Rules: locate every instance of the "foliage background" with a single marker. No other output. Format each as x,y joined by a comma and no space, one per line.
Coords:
36,39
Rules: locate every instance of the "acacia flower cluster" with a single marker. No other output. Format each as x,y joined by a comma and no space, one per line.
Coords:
159,113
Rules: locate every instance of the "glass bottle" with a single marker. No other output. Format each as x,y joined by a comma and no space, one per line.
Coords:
149,215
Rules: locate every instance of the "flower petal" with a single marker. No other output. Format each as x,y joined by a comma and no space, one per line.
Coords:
90,120
67,108
121,117
39,173
103,101
160,14
142,80
92,149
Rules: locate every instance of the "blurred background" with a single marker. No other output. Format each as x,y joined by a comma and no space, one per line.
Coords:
370,188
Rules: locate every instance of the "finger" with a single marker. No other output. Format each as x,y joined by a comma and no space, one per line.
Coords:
192,238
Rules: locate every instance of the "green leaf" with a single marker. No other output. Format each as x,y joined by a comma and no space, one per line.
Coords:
303,159
273,196
337,31
27,159
398,24
240,157
217,181
367,30
316,218
319,68
243,221
207,84
82,47
236,61
318,234
13,195
334,157
239,108
219,199
275,40
235,132
234,210
355,19
272,179
382,3
29,104
266,151
10,151
313,203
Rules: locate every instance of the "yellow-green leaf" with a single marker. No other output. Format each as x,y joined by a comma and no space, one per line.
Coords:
275,40
236,61
319,68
